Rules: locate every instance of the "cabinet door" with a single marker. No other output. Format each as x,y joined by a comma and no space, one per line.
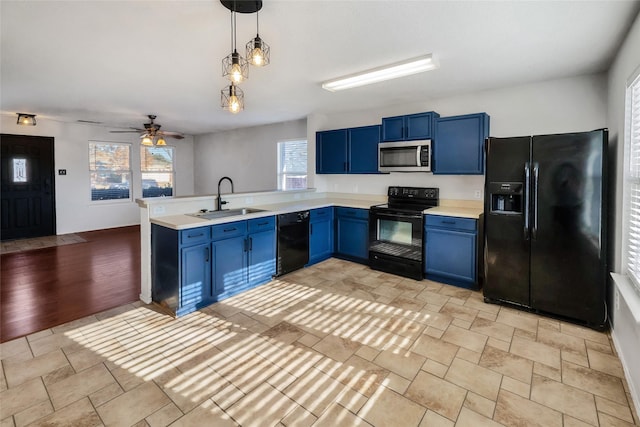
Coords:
459,145
195,283
352,237
229,266
419,126
363,149
450,254
320,240
393,128
331,151
262,257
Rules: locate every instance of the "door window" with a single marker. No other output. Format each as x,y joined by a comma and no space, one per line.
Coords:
19,170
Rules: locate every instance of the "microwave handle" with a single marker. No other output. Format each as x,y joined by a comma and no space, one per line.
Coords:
418,156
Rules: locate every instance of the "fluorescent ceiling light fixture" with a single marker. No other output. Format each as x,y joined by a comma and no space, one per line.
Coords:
387,72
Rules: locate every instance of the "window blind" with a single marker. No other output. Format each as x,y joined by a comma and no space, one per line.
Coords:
632,184
292,165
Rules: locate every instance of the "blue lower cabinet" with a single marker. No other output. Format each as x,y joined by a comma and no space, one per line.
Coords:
261,263
247,260
229,267
320,235
194,268
181,269
352,234
195,286
451,250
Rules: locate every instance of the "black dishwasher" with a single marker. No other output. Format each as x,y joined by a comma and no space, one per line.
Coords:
293,241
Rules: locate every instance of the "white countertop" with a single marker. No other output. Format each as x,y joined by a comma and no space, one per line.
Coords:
183,222
462,212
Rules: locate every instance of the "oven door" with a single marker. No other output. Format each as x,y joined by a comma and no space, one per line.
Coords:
397,234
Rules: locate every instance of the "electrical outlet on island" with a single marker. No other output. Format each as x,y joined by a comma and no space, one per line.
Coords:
477,194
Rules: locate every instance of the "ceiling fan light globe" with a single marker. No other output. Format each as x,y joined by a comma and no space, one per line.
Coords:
147,141
161,141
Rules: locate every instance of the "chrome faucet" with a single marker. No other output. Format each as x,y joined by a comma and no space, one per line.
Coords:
220,202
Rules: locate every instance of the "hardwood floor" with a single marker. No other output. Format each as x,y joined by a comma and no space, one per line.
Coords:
47,287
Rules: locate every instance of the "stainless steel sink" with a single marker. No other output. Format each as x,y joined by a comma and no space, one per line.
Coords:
225,213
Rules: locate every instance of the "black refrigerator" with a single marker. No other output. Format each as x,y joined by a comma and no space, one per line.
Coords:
545,224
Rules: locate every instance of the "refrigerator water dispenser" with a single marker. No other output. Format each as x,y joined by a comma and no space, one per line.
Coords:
506,198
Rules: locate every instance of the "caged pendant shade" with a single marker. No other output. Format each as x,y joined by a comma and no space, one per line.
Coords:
234,66
258,52
232,99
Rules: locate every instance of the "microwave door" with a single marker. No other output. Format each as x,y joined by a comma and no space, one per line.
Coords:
402,158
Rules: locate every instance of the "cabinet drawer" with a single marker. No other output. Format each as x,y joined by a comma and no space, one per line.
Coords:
230,229
321,214
451,222
262,224
194,236
353,213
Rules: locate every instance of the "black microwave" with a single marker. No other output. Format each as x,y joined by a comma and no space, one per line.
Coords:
405,156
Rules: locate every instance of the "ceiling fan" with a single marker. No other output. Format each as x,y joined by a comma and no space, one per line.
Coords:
151,134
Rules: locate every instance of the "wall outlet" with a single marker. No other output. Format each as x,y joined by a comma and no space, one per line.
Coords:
248,200
477,194
158,210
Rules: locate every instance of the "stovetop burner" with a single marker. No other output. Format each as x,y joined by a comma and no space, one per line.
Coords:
413,199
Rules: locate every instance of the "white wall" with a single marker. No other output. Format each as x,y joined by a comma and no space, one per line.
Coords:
247,156
626,330
557,106
74,210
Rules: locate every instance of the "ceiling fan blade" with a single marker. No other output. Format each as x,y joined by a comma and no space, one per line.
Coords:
176,135
126,131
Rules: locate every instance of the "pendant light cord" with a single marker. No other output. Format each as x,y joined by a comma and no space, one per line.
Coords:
257,23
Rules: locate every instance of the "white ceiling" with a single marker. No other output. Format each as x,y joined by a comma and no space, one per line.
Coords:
117,61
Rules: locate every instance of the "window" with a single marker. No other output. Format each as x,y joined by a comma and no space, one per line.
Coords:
110,168
631,210
156,164
292,165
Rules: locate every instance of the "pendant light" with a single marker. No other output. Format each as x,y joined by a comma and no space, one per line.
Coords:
258,52
234,66
232,99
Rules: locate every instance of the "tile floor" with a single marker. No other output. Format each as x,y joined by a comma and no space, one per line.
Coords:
21,245
336,344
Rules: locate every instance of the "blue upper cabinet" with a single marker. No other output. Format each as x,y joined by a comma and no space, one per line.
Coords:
459,144
363,149
409,127
353,150
331,151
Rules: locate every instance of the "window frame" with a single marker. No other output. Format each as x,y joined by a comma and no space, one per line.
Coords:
280,174
631,183
129,171
173,169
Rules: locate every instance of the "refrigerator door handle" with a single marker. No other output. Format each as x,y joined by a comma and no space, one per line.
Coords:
527,192
536,174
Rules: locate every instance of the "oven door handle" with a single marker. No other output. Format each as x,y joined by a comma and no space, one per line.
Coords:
396,215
